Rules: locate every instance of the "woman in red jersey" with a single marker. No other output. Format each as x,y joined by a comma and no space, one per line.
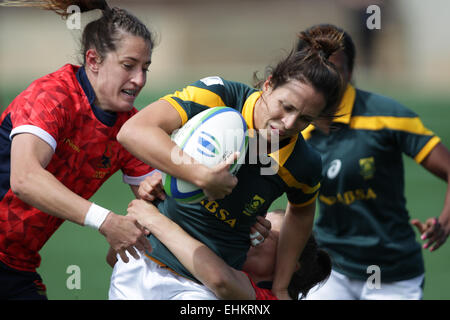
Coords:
58,146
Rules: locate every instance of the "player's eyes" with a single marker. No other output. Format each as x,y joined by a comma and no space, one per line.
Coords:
288,108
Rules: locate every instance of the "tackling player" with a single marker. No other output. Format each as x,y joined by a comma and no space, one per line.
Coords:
255,281
58,146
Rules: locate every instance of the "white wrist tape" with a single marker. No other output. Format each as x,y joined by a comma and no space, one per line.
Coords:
253,238
95,216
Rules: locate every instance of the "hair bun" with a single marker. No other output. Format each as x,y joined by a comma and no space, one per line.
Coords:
324,41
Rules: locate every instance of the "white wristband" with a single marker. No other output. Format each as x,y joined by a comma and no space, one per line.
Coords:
95,216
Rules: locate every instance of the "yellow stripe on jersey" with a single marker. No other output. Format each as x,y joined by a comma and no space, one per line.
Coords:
290,180
344,113
304,204
306,133
411,125
174,103
197,95
427,149
248,111
280,156
345,108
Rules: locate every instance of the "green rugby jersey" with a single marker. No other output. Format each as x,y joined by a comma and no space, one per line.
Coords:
363,218
224,225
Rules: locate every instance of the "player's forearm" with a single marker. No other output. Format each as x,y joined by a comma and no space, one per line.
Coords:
294,234
438,163
197,258
153,146
40,189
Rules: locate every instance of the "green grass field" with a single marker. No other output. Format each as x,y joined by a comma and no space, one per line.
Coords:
86,248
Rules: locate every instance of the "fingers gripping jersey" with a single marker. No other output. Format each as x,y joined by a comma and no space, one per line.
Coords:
59,109
224,225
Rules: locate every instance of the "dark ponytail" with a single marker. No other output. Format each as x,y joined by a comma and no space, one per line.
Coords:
102,34
60,6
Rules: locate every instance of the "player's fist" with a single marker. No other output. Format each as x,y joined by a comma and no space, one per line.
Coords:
219,182
151,188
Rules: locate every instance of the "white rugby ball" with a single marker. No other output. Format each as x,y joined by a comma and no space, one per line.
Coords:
209,137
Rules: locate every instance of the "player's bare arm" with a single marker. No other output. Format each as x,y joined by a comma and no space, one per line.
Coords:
436,230
225,281
295,231
157,121
40,189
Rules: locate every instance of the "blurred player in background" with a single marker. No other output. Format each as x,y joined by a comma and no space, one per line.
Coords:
255,281
363,220
303,87
58,146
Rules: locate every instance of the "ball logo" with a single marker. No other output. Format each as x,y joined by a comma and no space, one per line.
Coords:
208,145
334,169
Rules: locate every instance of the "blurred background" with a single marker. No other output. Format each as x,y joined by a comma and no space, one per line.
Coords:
407,58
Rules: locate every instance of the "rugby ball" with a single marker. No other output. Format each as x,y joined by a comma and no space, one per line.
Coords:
209,137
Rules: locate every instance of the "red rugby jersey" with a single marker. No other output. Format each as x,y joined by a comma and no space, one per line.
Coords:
59,108
262,293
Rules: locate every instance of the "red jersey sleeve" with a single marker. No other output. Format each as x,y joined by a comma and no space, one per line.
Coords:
134,170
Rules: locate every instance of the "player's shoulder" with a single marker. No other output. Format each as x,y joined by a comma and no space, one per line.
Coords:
374,104
305,153
303,161
63,79
224,88
51,90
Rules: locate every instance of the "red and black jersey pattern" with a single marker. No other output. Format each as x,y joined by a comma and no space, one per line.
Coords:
59,109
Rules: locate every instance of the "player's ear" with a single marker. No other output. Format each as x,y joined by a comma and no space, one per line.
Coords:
267,86
93,60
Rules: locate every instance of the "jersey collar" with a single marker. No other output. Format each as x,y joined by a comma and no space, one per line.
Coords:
105,117
248,110
346,107
345,110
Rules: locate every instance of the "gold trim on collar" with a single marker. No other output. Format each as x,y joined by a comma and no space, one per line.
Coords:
248,111
346,107
281,155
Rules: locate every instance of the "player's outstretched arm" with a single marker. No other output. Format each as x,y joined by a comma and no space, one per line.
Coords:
33,184
437,229
225,281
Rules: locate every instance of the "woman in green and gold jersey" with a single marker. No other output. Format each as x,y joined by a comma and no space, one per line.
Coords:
363,221
301,88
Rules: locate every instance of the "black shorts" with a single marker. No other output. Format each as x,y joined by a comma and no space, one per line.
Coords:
20,285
